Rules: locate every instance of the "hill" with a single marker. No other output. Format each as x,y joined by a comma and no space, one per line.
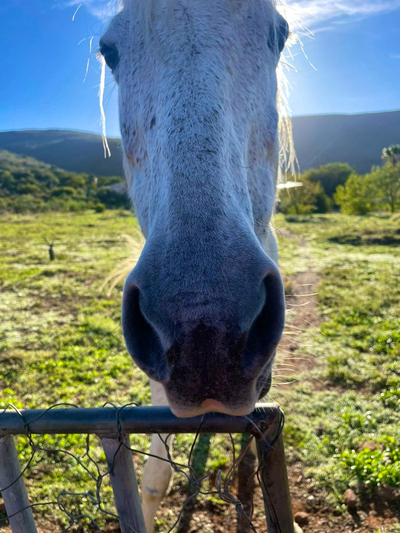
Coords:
28,185
75,151
354,139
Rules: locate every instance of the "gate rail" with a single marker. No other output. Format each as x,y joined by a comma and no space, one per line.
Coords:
114,426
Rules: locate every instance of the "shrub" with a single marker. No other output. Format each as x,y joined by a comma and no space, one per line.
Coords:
27,185
25,203
99,208
28,188
309,198
387,183
63,191
330,176
112,199
357,196
3,205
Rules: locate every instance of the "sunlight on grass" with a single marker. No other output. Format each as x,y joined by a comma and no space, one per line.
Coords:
61,341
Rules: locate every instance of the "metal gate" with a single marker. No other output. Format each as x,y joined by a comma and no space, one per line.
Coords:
114,426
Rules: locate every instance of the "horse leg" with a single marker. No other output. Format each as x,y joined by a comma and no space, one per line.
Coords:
157,473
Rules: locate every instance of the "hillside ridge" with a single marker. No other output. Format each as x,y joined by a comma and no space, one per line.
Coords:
319,139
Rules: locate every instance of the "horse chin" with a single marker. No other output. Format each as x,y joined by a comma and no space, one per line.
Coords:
186,408
261,389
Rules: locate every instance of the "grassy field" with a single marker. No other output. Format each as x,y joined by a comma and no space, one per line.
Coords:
344,415
60,341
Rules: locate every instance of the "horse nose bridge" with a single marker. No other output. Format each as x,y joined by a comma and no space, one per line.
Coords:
187,283
197,251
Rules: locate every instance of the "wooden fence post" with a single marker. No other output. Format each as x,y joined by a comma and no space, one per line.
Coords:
275,484
246,487
13,489
123,481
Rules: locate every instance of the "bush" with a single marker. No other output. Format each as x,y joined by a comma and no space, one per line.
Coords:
99,208
74,206
25,203
329,176
387,183
112,199
27,185
323,204
309,198
62,191
28,188
3,205
357,196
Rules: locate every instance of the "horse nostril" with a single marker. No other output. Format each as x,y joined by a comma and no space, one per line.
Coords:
266,331
141,339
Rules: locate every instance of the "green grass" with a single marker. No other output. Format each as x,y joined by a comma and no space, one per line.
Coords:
61,341
357,357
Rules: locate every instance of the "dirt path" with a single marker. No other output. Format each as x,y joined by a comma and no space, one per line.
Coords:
307,498
302,315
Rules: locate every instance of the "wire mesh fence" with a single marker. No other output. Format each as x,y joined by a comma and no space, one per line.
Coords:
107,462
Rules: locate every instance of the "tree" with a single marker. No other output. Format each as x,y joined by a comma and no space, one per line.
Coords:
303,198
387,183
46,178
357,196
8,183
27,185
392,154
330,176
76,181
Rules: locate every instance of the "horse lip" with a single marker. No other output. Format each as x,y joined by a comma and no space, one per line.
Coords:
181,411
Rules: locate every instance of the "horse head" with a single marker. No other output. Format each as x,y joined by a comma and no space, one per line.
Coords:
203,310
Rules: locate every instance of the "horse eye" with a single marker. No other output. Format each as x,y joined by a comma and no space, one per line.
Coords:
110,54
278,37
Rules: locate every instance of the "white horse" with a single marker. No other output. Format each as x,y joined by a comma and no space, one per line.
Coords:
203,310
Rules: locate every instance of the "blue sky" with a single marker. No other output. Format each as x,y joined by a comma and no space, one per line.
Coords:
44,84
